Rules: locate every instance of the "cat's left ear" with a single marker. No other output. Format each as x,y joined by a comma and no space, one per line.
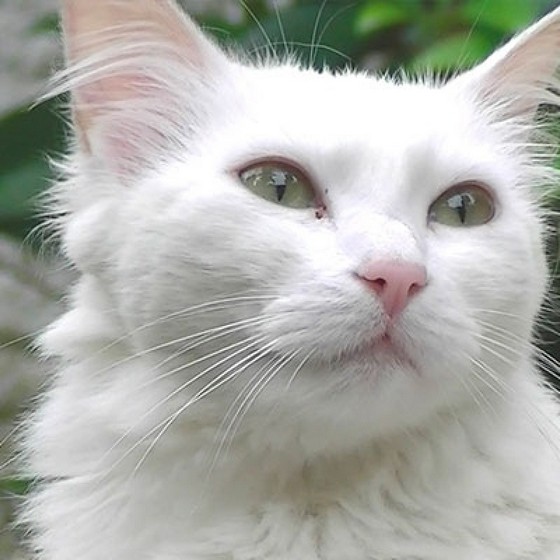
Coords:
522,74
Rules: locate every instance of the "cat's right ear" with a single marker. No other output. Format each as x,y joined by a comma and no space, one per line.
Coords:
137,72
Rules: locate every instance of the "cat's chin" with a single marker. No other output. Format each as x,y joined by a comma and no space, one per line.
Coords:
380,353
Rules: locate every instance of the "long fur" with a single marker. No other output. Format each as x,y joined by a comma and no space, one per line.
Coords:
218,391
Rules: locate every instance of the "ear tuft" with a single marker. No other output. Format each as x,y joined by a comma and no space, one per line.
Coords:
136,70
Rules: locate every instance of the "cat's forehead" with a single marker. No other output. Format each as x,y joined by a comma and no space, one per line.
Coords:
355,124
355,110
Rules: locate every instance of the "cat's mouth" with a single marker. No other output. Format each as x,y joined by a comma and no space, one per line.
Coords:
383,350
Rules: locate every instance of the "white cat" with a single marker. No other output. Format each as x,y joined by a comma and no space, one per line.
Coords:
303,325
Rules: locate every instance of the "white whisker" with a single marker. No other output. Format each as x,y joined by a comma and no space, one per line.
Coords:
253,341
212,332
254,389
215,384
200,308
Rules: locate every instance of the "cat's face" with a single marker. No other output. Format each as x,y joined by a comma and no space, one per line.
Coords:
254,302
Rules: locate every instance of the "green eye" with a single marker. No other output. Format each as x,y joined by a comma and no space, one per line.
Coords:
280,183
464,205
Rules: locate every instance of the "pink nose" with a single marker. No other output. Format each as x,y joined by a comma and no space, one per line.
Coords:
394,282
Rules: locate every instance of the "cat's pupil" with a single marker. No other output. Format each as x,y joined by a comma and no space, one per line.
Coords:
461,203
279,183
279,180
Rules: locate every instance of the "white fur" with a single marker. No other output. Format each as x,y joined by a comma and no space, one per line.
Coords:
213,396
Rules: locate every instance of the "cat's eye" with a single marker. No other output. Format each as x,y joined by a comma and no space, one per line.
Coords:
279,182
464,205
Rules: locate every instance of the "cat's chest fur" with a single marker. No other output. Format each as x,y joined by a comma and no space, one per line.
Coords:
461,489
413,504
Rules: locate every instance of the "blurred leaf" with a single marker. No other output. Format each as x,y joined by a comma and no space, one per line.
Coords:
504,16
48,24
27,133
26,137
19,189
455,52
376,15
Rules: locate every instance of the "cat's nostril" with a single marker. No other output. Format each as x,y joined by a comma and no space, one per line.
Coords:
394,282
377,284
414,289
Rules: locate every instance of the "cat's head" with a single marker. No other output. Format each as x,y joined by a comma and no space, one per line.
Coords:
341,253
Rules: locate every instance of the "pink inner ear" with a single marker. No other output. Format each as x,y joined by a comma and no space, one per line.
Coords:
134,128
105,112
120,150
87,18
136,63
103,96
